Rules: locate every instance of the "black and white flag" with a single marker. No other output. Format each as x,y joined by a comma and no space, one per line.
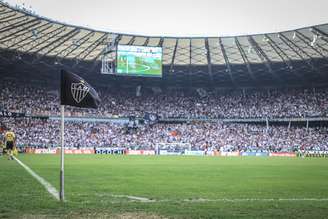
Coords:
151,118
75,91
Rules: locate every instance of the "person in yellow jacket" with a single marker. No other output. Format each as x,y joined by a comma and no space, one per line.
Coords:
10,142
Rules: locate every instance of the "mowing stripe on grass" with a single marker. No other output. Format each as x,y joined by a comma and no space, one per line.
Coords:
235,200
198,200
52,190
257,200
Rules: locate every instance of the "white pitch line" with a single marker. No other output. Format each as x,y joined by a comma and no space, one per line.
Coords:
136,198
52,190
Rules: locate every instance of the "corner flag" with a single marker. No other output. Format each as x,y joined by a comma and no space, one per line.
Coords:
75,91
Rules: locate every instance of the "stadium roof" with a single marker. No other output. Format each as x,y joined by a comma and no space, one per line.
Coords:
295,54
183,18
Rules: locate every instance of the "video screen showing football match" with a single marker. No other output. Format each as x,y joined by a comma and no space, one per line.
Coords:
139,61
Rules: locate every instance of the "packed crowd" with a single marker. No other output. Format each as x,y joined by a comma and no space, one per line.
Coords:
221,136
43,100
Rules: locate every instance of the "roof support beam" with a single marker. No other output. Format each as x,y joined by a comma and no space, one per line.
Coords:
323,35
25,31
297,50
279,52
208,56
88,47
18,24
308,41
9,17
57,43
245,59
283,57
226,60
73,47
160,43
96,45
3,12
5,20
261,54
146,42
40,31
86,52
132,40
174,53
319,31
36,22
50,35
94,60
190,64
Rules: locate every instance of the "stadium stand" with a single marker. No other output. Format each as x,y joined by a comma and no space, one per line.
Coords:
273,103
42,133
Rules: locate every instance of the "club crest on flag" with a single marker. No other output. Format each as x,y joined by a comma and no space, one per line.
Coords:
75,91
152,117
79,91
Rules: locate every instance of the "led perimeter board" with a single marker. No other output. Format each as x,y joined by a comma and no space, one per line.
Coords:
139,61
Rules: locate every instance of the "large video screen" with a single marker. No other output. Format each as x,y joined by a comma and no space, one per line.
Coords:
139,60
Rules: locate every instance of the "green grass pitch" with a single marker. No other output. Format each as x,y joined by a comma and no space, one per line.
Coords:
98,186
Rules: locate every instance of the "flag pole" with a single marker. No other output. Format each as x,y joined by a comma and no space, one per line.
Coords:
62,150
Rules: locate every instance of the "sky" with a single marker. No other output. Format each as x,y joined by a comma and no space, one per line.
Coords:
184,17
